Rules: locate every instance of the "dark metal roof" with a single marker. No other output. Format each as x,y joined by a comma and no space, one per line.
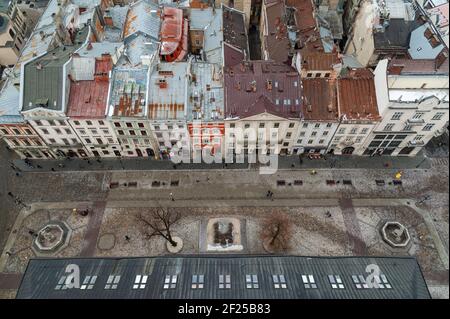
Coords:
43,77
246,82
396,35
403,274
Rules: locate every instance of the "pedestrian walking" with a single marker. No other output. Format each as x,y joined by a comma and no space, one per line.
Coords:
52,169
8,253
127,238
171,197
38,166
18,174
10,194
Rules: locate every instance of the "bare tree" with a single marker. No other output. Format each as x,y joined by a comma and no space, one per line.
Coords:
159,223
276,232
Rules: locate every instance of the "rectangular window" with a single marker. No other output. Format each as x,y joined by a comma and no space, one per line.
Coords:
341,130
88,122
251,281
359,281
224,281
388,127
140,282
314,133
418,115
88,282
170,282
291,125
407,128
438,116
325,133
428,127
336,281
112,282
353,130
309,282
396,116
364,130
116,124
198,281
279,281
276,125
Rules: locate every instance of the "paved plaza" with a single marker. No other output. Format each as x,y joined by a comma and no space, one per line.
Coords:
333,212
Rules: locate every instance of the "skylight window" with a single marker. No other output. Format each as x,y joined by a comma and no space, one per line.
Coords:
140,282
224,281
88,283
198,281
251,281
279,281
112,282
61,284
359,281
170,282
309,282
336,281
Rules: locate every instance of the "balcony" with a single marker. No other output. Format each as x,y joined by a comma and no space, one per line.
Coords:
416,143
415,122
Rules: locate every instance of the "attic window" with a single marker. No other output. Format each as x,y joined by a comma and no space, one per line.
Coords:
251,281
170,282
336,281
140,282
198,281
224,281
88,282
309,282
279,281
112,282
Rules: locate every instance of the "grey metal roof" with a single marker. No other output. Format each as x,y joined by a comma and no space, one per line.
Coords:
420,47
43,77
205,93
210,21
396,34
45,278
9,104
143,16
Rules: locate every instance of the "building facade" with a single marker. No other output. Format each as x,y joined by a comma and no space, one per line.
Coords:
413,102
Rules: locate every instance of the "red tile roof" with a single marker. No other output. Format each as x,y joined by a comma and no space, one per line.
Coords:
320,99
306,24
356,95
276,41
232,55
319,61
245,83
418,66
87,99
